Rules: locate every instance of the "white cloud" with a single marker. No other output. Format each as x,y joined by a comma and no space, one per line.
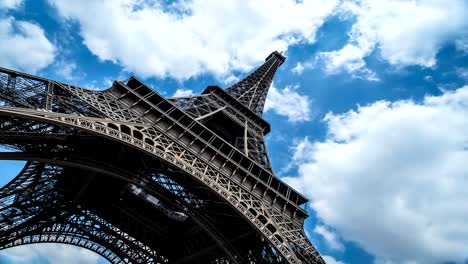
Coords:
298,69
231,79
405,32
331,260
68,70
10,4
429,78
52,253
462,73
392,177
301,151
302,66
183,93
351,59
462,44
287,102
24,46
330,237
188,38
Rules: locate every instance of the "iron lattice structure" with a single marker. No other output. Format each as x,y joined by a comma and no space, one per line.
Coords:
139,178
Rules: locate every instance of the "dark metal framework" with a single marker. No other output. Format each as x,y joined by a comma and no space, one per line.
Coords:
139,178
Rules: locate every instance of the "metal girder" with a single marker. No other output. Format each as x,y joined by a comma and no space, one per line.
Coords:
203,107
252,90
282,232
154,181
32,211
179,132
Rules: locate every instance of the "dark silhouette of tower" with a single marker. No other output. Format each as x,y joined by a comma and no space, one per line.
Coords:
139,178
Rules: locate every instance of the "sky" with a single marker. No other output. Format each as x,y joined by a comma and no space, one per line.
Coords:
369,113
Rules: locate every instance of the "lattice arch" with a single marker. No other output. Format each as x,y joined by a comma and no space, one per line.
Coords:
67,240
31,193
215,140
82,227
240,199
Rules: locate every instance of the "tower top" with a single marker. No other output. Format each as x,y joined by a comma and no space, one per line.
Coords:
253,89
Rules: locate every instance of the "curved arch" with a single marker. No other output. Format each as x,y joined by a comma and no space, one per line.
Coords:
86,230
20,178
37,158
67,224
69,240
220,185
106,169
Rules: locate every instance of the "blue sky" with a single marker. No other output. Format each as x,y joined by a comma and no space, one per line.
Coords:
369,112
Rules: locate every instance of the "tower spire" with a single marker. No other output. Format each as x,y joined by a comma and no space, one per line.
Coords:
253,89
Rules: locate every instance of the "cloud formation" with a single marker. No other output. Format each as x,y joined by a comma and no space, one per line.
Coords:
404,32
24,46
288,102
50,253
10,4
298,69
187,38
331,260
183,93
390,175
330,237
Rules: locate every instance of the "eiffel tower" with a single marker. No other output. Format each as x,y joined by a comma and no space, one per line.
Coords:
139,178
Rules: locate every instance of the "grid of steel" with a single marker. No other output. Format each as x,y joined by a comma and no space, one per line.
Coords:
195,160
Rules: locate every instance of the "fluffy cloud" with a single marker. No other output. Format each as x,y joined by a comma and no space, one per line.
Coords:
392,177
462,73
351,59
183,93
298,69
51,253
230,79
331,260
187,38
287,102
10,4
68,70
330,237
405,32
24,46
462,44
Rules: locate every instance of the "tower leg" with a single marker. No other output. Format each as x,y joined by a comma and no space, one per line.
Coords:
33,211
